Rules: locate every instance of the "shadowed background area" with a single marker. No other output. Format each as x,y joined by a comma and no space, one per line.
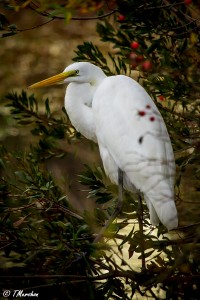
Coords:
31,56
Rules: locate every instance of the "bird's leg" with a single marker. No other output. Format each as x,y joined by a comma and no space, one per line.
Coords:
120,191
140,222
117,209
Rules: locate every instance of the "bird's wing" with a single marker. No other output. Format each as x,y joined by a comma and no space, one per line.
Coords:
130,128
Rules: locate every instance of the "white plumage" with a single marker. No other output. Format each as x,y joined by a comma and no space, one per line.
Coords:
118,114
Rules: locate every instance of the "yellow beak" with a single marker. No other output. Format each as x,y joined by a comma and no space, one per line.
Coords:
54,79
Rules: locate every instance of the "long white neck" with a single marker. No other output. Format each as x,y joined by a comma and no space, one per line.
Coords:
78,103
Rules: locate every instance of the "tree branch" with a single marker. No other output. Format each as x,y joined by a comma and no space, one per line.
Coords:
113,274
46,14
34,27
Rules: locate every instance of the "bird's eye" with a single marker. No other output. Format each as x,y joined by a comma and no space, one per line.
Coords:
77,71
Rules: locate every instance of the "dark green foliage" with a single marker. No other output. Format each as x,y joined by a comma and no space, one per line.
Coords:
35,217
4,23
48,128
40,233
91,53
97,188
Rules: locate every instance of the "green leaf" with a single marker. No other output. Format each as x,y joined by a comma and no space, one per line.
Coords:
22,175
8,34
12,27
146,254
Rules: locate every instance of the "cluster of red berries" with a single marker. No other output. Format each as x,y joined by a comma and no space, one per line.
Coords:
137,59
143,113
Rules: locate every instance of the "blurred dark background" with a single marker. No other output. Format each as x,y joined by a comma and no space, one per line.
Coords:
33,55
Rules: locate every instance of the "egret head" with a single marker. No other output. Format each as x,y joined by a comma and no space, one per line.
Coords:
80,72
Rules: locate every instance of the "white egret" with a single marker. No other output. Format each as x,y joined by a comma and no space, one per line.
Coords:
118,114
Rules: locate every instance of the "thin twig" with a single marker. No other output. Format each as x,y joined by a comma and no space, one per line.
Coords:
96,17
46,14
64,209
34,27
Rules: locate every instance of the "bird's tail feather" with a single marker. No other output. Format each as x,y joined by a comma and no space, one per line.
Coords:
163,210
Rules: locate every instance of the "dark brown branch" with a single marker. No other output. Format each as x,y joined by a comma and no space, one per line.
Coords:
34,27
72,277
96,17
114,274
46,14
64,209
35,8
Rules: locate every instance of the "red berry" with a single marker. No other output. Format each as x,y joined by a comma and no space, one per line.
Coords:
139,58
121,18
142,113
147,65
134,45
161,98
133,66
152,119
187,2
148,106
133,56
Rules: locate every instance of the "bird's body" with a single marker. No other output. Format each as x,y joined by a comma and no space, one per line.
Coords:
118,114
